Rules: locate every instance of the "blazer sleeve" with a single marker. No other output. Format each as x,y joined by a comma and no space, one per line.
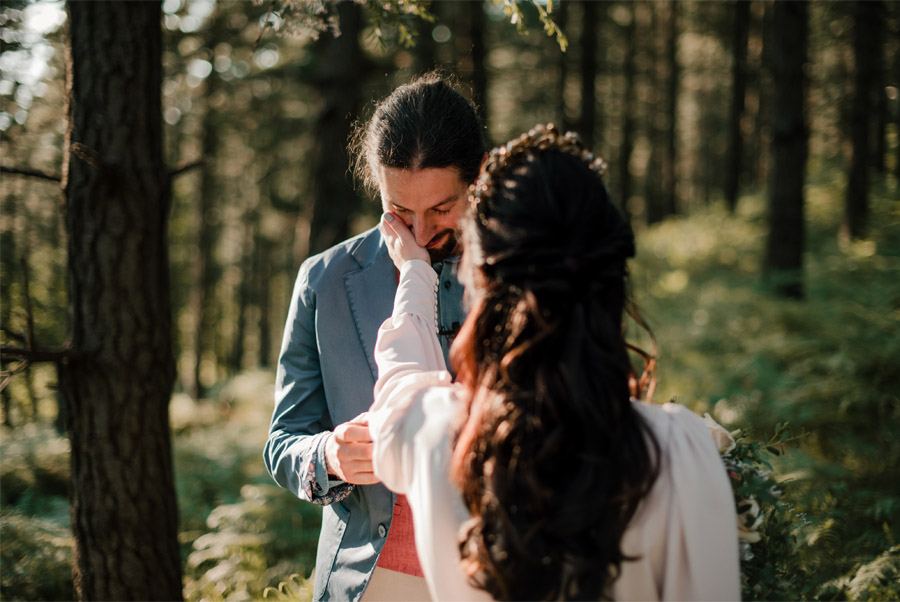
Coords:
294,452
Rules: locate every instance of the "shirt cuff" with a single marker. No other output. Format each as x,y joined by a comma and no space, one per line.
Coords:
417,291
320,489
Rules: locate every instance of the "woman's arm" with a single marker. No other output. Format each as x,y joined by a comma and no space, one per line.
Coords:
410,362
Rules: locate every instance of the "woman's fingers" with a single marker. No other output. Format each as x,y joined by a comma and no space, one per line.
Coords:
400,241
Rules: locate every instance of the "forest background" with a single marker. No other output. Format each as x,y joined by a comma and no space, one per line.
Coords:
151,233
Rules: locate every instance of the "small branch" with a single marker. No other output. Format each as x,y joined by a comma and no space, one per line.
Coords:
6,376
16,336
32,356
87,154
30,173
181,169
29,313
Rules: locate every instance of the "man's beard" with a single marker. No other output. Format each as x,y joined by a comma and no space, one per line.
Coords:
448,248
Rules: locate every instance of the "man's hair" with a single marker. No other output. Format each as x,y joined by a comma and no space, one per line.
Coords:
425,123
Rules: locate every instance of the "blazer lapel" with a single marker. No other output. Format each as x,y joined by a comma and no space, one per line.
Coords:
371,292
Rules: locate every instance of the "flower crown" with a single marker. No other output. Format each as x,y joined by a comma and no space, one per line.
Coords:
540,137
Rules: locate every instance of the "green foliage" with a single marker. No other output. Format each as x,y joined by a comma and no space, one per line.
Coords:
294,588
263,538
513,10
875,580
767,523
828,366
36,558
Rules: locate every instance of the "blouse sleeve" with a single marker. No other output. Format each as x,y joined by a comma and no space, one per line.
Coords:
701,556
410,362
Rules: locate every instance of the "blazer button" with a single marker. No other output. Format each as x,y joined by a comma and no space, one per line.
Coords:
447,284
382,530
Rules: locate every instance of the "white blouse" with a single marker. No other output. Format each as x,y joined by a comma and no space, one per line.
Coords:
684,532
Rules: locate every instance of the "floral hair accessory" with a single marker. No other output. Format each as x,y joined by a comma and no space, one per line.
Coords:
540,137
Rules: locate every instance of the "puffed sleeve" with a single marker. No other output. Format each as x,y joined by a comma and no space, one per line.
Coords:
410,362
701,554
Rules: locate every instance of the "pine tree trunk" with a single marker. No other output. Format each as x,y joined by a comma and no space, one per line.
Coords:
588,122
654,210
669,179
741,29
783,267
262,251
628,106
562,70
245,289
479,56
119,380
339,79
208,225
867,21
879,97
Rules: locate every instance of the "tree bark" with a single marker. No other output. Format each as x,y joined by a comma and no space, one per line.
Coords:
7,261
562,70
245,289
669,179
339,79
654,209
867,21
118,384
628,118
879,98
262,256
783,267
207,234
588,121
740,34
479,56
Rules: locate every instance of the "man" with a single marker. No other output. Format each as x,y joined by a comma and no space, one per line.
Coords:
421,149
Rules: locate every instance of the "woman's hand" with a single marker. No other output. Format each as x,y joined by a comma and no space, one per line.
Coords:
400,242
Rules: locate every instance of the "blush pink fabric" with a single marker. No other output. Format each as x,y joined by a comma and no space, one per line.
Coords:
399,552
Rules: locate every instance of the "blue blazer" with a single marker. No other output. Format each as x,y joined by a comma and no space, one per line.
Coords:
326,375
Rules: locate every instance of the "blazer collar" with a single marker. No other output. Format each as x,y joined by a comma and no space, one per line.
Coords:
371,291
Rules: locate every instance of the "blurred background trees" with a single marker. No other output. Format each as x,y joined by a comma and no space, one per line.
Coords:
753,144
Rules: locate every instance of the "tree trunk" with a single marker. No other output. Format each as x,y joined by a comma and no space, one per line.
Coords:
783,267
879,98
733,169
479,55
245,287
119,379
587,123
867,21
339,79
423,52
207,216
669,179
8,264
628,105
654,210
562,70
262,254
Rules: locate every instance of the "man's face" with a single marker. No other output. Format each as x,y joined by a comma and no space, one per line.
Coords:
430,202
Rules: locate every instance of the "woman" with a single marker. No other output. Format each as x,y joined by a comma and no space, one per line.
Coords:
535,475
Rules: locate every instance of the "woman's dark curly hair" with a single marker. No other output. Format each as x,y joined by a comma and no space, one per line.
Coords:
552,459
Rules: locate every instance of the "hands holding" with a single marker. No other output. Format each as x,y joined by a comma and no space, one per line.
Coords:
348,452
400,241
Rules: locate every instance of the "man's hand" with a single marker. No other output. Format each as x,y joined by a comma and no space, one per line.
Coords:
401,243
348,452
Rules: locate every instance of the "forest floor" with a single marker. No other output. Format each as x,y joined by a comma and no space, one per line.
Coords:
829,366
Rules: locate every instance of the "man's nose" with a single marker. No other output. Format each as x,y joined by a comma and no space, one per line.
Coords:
422,231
